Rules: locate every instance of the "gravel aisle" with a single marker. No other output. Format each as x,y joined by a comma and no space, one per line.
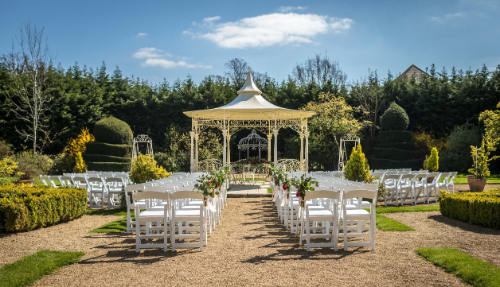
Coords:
251,248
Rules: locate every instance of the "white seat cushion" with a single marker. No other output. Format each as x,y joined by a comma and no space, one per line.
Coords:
357,214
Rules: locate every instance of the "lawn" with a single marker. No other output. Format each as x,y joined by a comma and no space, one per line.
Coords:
117,226
28,269
393,209
461,178
387,224
468,268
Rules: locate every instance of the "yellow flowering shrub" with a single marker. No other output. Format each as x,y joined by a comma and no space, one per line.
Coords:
145,169
8,168
80,165
78,144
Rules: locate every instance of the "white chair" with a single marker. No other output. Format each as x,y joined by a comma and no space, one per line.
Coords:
406,189
197,219
324,215
65,181
45,179
97,192
359,215
420,188
451,182
149,216
80,182
115,189
131,205
391,182
442,185
432,190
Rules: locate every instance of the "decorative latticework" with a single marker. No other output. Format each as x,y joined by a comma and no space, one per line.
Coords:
252,142
343,149
289,165
142,139
209,165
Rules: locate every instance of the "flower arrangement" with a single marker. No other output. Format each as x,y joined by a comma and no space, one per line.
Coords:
304,184
212,183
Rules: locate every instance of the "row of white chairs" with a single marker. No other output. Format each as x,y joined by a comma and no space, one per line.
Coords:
336,208
171,209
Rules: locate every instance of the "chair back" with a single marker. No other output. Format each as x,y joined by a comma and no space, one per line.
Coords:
150,195
330,194
364,193
186,194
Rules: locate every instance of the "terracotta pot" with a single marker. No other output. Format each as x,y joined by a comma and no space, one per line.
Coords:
476,184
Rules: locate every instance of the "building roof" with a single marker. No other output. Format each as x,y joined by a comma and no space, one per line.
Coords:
413,71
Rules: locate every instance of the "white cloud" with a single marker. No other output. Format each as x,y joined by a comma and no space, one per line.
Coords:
157,58
285,9
148,53
447,17
142,35
167,64
272,29
211,19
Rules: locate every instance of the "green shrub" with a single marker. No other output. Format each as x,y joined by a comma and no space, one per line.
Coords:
120,150
8,180
108,166
62,163
479,208
397,145
456,156
394,119
380,163
80,165
5,149
24,208
114,131
105,158
433,162
391,137
393,153
32,165
357,167
145,169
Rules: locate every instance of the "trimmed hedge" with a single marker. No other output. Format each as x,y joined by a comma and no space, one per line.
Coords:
394,136
398,145
108,166
24,208
120,150
379,163
394,118
112,130
393,153
479,208
106,158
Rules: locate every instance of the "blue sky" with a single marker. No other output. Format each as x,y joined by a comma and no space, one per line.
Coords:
171,39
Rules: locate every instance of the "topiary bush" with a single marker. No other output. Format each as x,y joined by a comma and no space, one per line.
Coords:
357,167
99,148
80,165
145,169
113,131
394,118
433,161
480,208
24,207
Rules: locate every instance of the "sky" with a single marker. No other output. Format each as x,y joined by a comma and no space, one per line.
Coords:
154,40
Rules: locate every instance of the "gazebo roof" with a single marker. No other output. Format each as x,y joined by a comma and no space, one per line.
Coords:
250,105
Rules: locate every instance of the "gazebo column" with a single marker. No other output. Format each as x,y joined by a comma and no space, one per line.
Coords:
192,151
197,138
224,149
228,156
275,146
301,159
269,138
306,168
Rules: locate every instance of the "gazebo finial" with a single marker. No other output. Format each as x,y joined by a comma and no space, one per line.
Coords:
249,87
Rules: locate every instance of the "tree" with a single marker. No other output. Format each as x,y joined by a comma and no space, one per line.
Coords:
433,162
357,167
491,120
334,119
320,71
29,69
237,70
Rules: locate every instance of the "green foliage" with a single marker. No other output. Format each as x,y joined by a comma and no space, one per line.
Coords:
113,131
491,120
393,153
481,159
456,156
79,143
420,208
28,269
8,168
394,119
387,224
105,158
32,165
357,167
5,149
117,226
433,162
145,169
480,208
468,268
108,166
120,150
8,180
379,163
80,166
24,208
62,163
391,137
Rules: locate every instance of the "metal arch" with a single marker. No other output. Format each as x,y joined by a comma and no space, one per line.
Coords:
142,138
252,141
343,150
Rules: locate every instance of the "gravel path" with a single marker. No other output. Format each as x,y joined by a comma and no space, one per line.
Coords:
251,248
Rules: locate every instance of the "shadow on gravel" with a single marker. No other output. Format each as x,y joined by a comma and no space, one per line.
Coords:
464,225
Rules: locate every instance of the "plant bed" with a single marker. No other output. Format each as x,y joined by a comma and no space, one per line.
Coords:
479,208
24,208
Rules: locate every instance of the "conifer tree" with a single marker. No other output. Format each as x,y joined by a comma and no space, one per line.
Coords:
433,162
357,167
80,165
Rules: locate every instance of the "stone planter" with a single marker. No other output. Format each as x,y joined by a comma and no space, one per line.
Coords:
476,184
24,181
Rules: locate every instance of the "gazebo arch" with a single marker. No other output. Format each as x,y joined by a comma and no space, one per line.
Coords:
250,110
253,141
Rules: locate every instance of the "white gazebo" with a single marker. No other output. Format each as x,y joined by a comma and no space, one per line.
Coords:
250,110
253,141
